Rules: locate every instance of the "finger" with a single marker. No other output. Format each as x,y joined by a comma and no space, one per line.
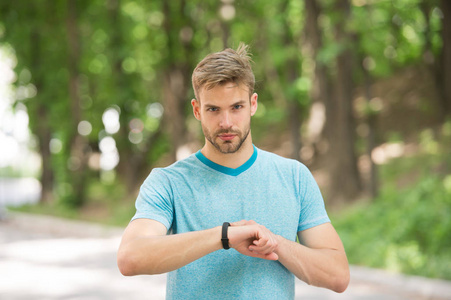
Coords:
239,223
268,256
266,240
262,250
261,241
260,245
272,256
264,245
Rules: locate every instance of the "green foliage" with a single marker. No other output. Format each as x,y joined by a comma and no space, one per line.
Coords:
406,229
402,230
126,51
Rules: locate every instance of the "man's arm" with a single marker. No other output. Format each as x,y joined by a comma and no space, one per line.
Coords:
318,260
146,249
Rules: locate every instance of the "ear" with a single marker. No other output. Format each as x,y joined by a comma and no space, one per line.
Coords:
254,103
196,108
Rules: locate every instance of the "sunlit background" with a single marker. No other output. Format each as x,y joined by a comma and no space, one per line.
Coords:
95,94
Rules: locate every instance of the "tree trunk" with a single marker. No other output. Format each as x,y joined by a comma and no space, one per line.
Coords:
225,26
294,115
294,106
43,130
44,136
345,179
176,76
370,118
373,183
132,161
175,90
79,148
290,72
321,88
446,56
433,64
133,165
137,165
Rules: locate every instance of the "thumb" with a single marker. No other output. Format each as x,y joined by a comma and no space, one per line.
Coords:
272,256
269,256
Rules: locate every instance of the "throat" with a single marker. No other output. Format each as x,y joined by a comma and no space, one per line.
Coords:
230,160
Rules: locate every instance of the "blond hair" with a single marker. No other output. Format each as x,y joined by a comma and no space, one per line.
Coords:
224,67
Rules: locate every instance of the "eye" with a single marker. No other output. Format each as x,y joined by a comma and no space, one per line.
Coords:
238,106
212,109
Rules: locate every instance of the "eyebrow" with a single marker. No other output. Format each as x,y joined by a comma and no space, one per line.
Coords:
239,102
211,106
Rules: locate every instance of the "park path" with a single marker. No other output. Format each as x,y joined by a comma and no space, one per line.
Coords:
50,258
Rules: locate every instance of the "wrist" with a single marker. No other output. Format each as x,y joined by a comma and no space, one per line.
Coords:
217,237
214,238
280,241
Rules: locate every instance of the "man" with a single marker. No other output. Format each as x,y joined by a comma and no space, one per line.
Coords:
269,200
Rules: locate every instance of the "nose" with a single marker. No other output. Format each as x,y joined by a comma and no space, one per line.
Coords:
226,121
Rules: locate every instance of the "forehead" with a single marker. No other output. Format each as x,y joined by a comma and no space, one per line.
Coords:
227,92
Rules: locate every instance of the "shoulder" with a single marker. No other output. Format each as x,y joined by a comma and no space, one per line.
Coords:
274,160
180,166
170,173
285,167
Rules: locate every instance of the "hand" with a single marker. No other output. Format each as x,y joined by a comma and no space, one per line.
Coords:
252,239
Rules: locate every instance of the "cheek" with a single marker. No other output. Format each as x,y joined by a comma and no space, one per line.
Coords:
207,119
244,117
208,123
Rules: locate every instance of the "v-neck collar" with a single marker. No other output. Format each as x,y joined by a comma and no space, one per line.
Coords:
227,170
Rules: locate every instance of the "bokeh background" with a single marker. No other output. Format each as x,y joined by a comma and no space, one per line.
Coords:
94,94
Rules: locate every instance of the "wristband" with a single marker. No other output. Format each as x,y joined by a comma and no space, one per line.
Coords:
224,238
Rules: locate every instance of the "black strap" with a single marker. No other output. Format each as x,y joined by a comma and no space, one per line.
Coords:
225,239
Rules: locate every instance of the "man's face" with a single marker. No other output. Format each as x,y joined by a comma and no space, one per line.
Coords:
225,114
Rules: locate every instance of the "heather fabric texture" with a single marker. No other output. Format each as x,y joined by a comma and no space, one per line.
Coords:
196,194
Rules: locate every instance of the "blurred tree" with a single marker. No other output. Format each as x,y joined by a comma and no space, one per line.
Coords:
78,145
39,109
297,85
366,65
343,156
431,58
135,57
445,58
283,68
133,145
321,94
179,28
39,32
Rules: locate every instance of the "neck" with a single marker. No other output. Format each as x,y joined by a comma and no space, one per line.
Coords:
230,160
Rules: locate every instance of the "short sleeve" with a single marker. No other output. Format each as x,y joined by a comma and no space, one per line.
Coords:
155,199
313,211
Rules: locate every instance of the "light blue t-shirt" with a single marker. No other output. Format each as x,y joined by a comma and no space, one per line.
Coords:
197,194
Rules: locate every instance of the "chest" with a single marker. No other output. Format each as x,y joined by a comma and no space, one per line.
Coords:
269,200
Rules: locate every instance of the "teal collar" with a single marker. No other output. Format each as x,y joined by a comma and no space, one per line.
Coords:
226,170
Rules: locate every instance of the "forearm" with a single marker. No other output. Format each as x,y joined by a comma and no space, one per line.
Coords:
319,267
161,254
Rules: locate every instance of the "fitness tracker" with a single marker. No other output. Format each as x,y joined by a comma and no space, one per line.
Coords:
224,238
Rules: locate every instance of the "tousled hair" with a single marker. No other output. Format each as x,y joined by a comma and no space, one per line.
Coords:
223,67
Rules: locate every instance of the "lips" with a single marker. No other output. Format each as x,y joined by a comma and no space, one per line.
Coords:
227,137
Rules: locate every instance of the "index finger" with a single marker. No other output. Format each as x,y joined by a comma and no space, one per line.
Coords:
239,223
